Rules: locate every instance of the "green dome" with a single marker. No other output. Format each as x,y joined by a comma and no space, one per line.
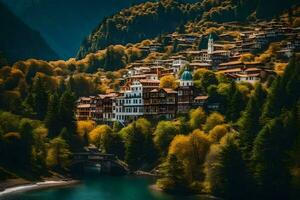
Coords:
186,76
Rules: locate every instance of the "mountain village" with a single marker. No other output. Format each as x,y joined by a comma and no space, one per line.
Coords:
141,95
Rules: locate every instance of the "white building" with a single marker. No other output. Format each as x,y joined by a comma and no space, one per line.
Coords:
210,46
250,78
129,106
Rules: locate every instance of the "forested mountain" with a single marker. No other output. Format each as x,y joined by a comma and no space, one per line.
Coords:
151,19
18,41
65,23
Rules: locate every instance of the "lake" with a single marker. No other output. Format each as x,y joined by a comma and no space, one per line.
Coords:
100,187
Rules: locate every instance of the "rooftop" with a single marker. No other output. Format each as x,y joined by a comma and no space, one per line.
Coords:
186,76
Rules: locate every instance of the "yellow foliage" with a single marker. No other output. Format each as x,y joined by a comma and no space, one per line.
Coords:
191,150
84,127
197,118
218,132
168,81
213,120
179,146
280,67
247,57
97,134
58,154
270,52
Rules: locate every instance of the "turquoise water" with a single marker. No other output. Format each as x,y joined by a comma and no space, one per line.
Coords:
101,188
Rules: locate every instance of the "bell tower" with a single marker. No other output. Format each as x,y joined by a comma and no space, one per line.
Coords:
210,45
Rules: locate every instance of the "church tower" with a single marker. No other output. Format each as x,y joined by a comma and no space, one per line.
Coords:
186,79
210,46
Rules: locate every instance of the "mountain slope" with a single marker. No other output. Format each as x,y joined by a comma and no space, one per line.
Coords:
64,24
139,22
149,20
18,41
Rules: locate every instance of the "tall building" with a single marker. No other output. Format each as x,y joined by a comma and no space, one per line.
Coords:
185,93
210,46
129,106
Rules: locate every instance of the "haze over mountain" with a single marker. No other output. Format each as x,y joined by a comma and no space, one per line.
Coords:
65,23
18,41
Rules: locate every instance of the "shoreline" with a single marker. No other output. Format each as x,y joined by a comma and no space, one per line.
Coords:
32,186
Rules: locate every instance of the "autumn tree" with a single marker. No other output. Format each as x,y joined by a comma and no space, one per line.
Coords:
197,118
163,135
218,132
168,81
191,150
83,129
173,176
213,120
99,136
58,154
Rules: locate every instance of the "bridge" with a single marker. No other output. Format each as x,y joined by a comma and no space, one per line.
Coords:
108,163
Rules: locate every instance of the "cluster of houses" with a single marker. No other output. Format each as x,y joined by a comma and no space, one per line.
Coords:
141,95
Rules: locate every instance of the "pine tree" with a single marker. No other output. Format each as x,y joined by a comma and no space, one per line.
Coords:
26,143
173,176
270,161
52,119
236,105
284,91
67,116
250,121
134,148
61,87
233,180
40,98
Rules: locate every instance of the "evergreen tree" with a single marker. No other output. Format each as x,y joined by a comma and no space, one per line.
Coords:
173,176
61,87
58,155
284,91
67,116
291,82
232,178
134,148
28,104
250,121
236,106
53,120
40,98
26,143
228,103
270,161
139,147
